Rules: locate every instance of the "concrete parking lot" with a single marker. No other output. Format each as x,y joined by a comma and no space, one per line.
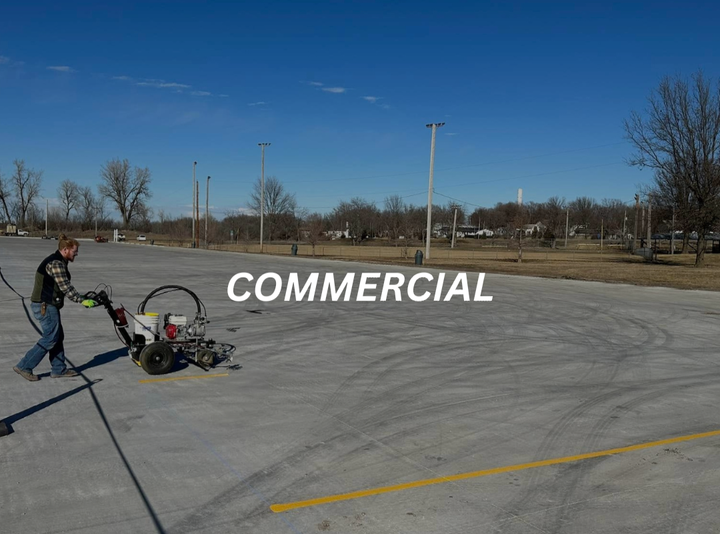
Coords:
425,417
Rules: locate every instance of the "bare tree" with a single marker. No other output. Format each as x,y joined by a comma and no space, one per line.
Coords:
393,217
672,191
415,222
680,138
128,189
359,216
87,206
69,194
27,183
555,214
583,210
5,198
278,204
314,229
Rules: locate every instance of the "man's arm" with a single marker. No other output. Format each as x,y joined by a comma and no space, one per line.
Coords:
58,271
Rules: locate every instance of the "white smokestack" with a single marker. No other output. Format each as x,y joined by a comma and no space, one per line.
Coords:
519,197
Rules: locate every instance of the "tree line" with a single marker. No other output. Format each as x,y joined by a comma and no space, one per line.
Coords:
125,188
677,136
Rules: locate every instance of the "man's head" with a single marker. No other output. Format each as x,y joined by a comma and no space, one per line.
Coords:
68,247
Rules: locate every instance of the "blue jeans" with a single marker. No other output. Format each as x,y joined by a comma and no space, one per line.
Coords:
50,342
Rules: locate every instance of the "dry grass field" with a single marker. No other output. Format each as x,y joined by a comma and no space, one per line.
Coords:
583,260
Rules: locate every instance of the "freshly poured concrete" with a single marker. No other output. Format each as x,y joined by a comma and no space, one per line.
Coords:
331,398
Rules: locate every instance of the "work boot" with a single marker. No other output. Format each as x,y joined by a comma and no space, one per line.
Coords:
67,373
27,375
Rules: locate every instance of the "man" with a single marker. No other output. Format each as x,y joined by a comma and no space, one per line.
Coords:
52,285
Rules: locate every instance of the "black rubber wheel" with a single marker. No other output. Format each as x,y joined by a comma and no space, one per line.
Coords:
157,358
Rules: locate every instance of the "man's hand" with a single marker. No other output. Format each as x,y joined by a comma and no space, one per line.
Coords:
89,303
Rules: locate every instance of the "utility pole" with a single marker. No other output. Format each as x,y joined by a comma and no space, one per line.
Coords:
602,233
672,235
193,206
262,192
197,213
46,217
207,204
434,127
649,232
642,221
624,235
567,224
637,212
96,218
452,245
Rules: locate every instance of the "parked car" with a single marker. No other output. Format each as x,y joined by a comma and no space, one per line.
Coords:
141,238
121,237
100,239
23,233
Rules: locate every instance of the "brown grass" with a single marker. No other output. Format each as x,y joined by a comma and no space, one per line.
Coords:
582,261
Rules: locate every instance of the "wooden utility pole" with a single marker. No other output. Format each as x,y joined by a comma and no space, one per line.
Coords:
452,245
649,229
672,235
197,213
637,213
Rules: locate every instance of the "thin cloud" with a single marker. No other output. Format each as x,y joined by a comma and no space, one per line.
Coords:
4,60
316,84
371,99
336,90
451,133
162,84
385,106
61,68
243,211
261,103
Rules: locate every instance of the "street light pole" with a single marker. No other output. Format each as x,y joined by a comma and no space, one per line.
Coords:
207,204
193,206
434,127
262,192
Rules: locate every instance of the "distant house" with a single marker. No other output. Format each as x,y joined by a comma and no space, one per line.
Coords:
538,229
578,229
338,234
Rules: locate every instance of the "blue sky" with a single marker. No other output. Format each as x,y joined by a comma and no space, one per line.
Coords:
533,94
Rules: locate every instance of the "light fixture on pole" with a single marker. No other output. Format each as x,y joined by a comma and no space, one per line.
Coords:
207,204
193,206
434,127
262,192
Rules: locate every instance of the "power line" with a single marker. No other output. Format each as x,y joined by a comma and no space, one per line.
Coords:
537,175
411,173
464,202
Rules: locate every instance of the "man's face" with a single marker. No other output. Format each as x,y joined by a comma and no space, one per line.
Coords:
69,253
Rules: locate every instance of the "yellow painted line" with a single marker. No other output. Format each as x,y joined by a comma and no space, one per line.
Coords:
474,474
173,378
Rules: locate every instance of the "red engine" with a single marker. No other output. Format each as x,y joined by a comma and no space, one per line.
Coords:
171,331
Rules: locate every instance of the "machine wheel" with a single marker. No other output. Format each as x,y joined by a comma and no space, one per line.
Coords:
206,357
157,358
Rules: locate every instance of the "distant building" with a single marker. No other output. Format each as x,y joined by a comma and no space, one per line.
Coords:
538,229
